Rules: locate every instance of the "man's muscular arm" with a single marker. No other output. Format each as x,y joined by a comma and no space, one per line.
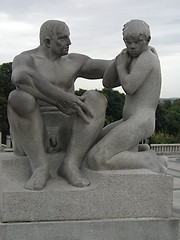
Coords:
92,68
97,68
27,78
110,78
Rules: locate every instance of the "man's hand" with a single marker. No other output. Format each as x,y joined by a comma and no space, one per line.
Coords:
153,50
72,104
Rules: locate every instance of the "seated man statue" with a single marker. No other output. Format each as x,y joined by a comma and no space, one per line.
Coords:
137,70
44,78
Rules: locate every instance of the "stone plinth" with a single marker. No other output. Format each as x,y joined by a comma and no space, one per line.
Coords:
112,195
126,205
110,229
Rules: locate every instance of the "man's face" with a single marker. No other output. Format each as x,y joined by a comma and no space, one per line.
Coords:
135,45
60,42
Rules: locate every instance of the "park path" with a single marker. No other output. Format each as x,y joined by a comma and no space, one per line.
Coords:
174,170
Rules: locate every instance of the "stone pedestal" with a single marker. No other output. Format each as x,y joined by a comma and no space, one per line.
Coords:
110,229
126,204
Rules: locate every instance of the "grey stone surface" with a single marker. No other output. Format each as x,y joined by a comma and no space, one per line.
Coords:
123,229
112,194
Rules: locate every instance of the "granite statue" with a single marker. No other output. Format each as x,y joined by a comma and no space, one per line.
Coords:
47,117
137,70
44,78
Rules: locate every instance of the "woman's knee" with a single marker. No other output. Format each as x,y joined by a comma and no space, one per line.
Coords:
21,102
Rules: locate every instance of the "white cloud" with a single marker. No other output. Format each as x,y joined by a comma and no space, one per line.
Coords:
171,76
95,30
16,36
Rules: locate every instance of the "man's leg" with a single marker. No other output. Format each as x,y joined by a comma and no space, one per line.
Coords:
82,139
115,150
134,160
109,128
27,128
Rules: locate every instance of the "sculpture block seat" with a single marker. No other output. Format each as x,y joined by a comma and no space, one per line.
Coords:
111,195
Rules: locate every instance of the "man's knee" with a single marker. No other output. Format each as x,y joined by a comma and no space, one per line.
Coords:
95,161
21,102
96,99
96,96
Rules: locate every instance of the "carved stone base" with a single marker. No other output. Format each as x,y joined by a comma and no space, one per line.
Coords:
123,229
122,204
112,194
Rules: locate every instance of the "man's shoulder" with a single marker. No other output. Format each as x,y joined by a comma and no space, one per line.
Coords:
25,56
150,55
149,58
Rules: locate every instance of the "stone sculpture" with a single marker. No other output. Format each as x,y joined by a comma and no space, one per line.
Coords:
137,70
46,116
44,113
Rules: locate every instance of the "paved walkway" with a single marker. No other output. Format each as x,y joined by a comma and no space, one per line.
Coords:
174,170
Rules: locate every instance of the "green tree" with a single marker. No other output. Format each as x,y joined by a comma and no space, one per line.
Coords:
173,118
164,138
115,105
80,92
5,88
167,122
160,118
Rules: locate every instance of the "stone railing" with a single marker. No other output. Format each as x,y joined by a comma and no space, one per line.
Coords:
158,148
6,147
166,148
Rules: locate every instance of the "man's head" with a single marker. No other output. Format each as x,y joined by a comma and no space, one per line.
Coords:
136,35
55,35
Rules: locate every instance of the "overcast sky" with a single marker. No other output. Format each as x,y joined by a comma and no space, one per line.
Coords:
96,30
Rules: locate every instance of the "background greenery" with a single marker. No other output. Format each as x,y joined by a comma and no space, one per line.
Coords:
167,114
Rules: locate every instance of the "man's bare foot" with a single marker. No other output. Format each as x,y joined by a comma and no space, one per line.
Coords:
73,175
143,147
38,179
154,163
164,160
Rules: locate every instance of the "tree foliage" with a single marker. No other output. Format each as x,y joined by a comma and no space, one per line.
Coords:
115,105
5,88
167,122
